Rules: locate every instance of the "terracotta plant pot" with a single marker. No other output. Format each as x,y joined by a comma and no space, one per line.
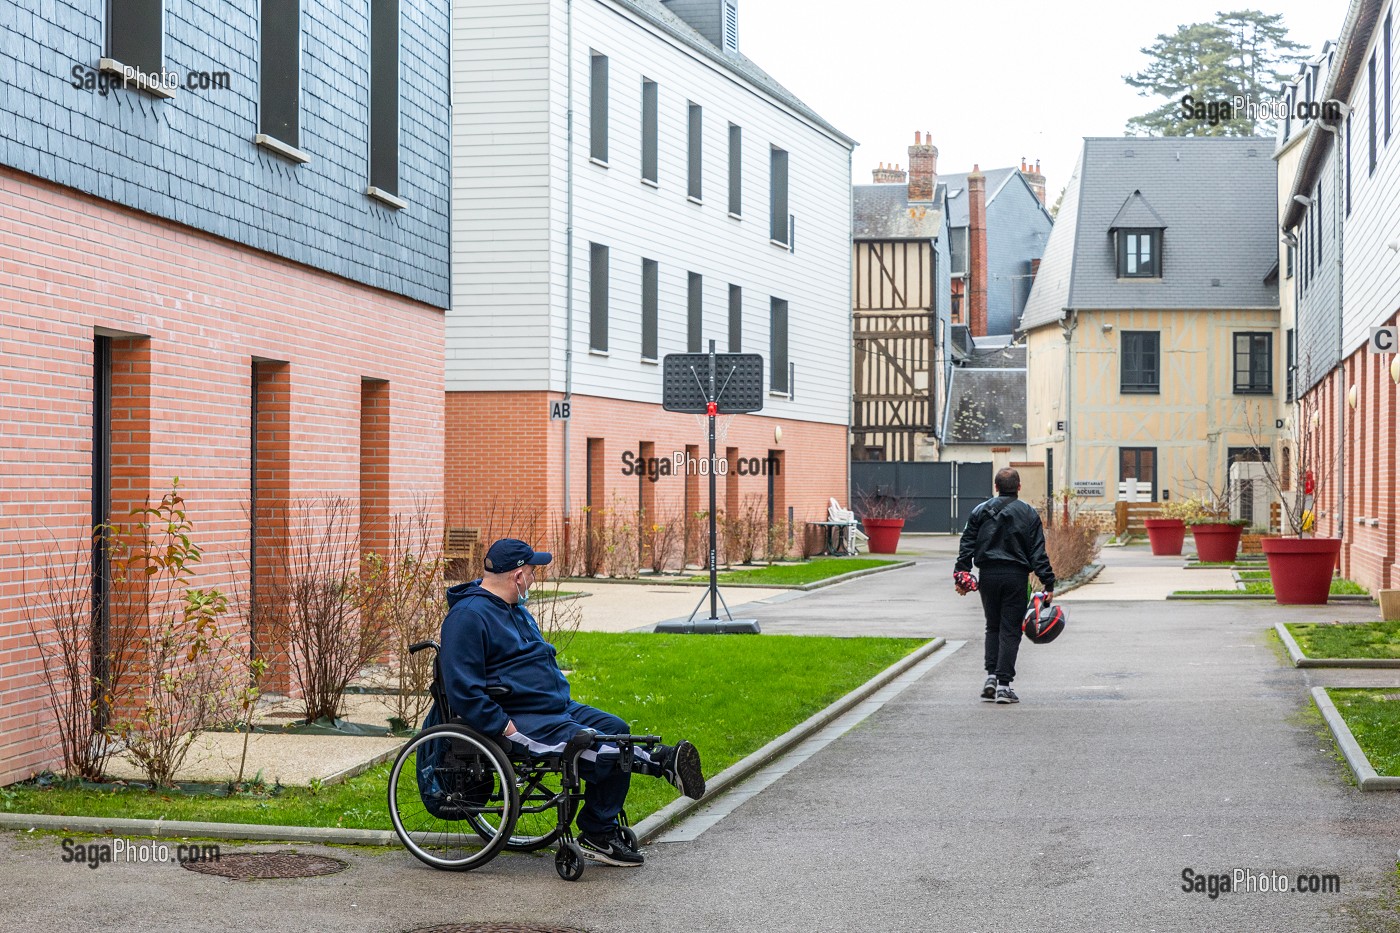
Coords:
883,534
1217,542
1166,535
1301,569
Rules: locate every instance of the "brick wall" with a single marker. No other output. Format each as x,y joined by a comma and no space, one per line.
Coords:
189,314
502,450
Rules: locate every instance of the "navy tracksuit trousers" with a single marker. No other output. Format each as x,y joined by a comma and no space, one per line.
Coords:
1003,591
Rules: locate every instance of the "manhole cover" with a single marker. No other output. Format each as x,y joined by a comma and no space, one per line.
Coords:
493,928
249,866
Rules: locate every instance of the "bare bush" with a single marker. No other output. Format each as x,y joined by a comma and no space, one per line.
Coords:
661,539
558,619
1071,546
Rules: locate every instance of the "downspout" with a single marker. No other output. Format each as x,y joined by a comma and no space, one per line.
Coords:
568,252
850,318
1068,326
1337,206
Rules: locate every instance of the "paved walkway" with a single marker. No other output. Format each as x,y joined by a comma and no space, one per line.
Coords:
1153,737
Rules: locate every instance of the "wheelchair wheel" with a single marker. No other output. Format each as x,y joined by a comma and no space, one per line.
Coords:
569,861
537,824
442,781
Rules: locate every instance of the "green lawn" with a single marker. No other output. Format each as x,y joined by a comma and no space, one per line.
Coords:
1375,721
1335,640
818,568
729,695
1265,588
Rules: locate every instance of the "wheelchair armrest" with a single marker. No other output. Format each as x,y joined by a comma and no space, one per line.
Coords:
498,690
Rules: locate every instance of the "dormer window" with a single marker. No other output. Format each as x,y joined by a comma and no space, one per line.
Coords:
1139,254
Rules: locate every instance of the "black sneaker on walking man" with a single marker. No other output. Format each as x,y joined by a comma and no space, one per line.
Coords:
1005,539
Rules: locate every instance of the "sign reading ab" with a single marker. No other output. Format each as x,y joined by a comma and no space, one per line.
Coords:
559,410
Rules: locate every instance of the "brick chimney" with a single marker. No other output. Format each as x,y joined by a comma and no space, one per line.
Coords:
1034,178
977,252
923,167
889,175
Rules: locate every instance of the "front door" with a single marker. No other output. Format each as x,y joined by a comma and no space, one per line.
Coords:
1139,463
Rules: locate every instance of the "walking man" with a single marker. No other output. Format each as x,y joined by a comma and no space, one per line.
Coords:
1006,541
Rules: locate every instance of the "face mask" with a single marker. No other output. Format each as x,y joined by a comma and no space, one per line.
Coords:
524,598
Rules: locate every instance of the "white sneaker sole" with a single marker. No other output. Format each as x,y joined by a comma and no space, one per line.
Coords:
602,859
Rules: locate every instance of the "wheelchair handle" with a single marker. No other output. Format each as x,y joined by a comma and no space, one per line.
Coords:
415,648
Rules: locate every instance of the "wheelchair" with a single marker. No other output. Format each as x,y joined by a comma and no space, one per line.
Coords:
457,798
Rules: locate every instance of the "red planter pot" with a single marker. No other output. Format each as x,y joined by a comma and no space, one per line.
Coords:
883,534
1166,535
1217,542
1301,568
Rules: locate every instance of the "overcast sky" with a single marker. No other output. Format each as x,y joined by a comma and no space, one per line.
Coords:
992,81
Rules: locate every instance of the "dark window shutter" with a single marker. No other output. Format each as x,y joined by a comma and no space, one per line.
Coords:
778,344
598,109
384,96
650,276
649,130
695,313
598,297
279,72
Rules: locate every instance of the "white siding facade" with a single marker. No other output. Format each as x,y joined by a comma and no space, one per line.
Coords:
507,326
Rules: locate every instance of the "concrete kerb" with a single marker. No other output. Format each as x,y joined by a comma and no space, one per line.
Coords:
653,825
1083,578
331,835
1366,777
1230,597
802,587
1295,652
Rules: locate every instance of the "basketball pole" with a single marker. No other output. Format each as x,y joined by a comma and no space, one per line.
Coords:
714,625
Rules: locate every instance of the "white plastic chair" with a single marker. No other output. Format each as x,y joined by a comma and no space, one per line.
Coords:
846,517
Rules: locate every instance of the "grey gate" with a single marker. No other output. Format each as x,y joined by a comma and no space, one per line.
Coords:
946,491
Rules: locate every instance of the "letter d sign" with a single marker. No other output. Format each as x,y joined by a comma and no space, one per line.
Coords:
1384,339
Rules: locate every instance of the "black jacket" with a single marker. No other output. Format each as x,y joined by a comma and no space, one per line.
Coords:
1006,531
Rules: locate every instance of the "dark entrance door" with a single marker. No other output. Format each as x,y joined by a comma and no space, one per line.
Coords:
946,492
1139,463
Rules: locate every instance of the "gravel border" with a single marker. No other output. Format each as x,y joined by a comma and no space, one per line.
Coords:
646,829
1366,776
1295,652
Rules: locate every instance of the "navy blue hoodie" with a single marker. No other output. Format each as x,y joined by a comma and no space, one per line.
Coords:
486,640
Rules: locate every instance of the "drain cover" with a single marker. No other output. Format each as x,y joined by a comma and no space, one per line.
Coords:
249,866
493,928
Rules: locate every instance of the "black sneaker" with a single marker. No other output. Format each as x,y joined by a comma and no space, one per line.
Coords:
611,849
989,688
1006,695
680,764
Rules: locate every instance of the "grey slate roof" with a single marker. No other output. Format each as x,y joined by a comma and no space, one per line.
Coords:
656,13
1136,213
957,191
1217,198
987,406
883,212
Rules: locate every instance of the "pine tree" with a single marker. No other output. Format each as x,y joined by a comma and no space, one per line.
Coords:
1243,53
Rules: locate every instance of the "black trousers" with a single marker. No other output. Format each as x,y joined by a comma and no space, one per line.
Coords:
1003,592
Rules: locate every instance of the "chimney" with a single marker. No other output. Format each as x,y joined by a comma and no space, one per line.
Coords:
1034,179
977,252
923,167
889,175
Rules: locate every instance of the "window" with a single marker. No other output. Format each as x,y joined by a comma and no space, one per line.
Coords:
1290,365
649,130
136,34
1234,455
696,123
598,108
957,251
778,344
1387,77
1254,364
1139,463
1348,166
598,297
384,97
279,71
650,275
695,313
1141,362
1371,105
736,319
1139,254
778,195
736,170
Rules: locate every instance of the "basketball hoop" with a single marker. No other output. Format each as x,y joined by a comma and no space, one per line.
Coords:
722,423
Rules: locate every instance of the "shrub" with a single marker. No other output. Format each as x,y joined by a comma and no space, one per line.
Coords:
1072,546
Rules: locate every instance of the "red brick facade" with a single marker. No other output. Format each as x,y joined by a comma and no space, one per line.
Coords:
1357,489
200,326
502,449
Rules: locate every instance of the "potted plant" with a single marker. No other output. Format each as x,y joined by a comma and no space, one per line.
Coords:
1301,565
882,515
1167,532
1217,536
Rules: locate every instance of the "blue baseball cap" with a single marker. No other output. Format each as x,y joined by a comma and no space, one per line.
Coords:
510,554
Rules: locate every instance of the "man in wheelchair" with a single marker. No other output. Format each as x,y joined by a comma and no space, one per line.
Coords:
490,640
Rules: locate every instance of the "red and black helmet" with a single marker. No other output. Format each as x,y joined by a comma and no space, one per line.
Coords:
965,580
1042,623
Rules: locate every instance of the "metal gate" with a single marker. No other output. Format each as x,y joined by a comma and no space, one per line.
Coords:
946,491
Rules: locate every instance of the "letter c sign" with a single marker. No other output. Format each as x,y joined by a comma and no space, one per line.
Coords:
1384,340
